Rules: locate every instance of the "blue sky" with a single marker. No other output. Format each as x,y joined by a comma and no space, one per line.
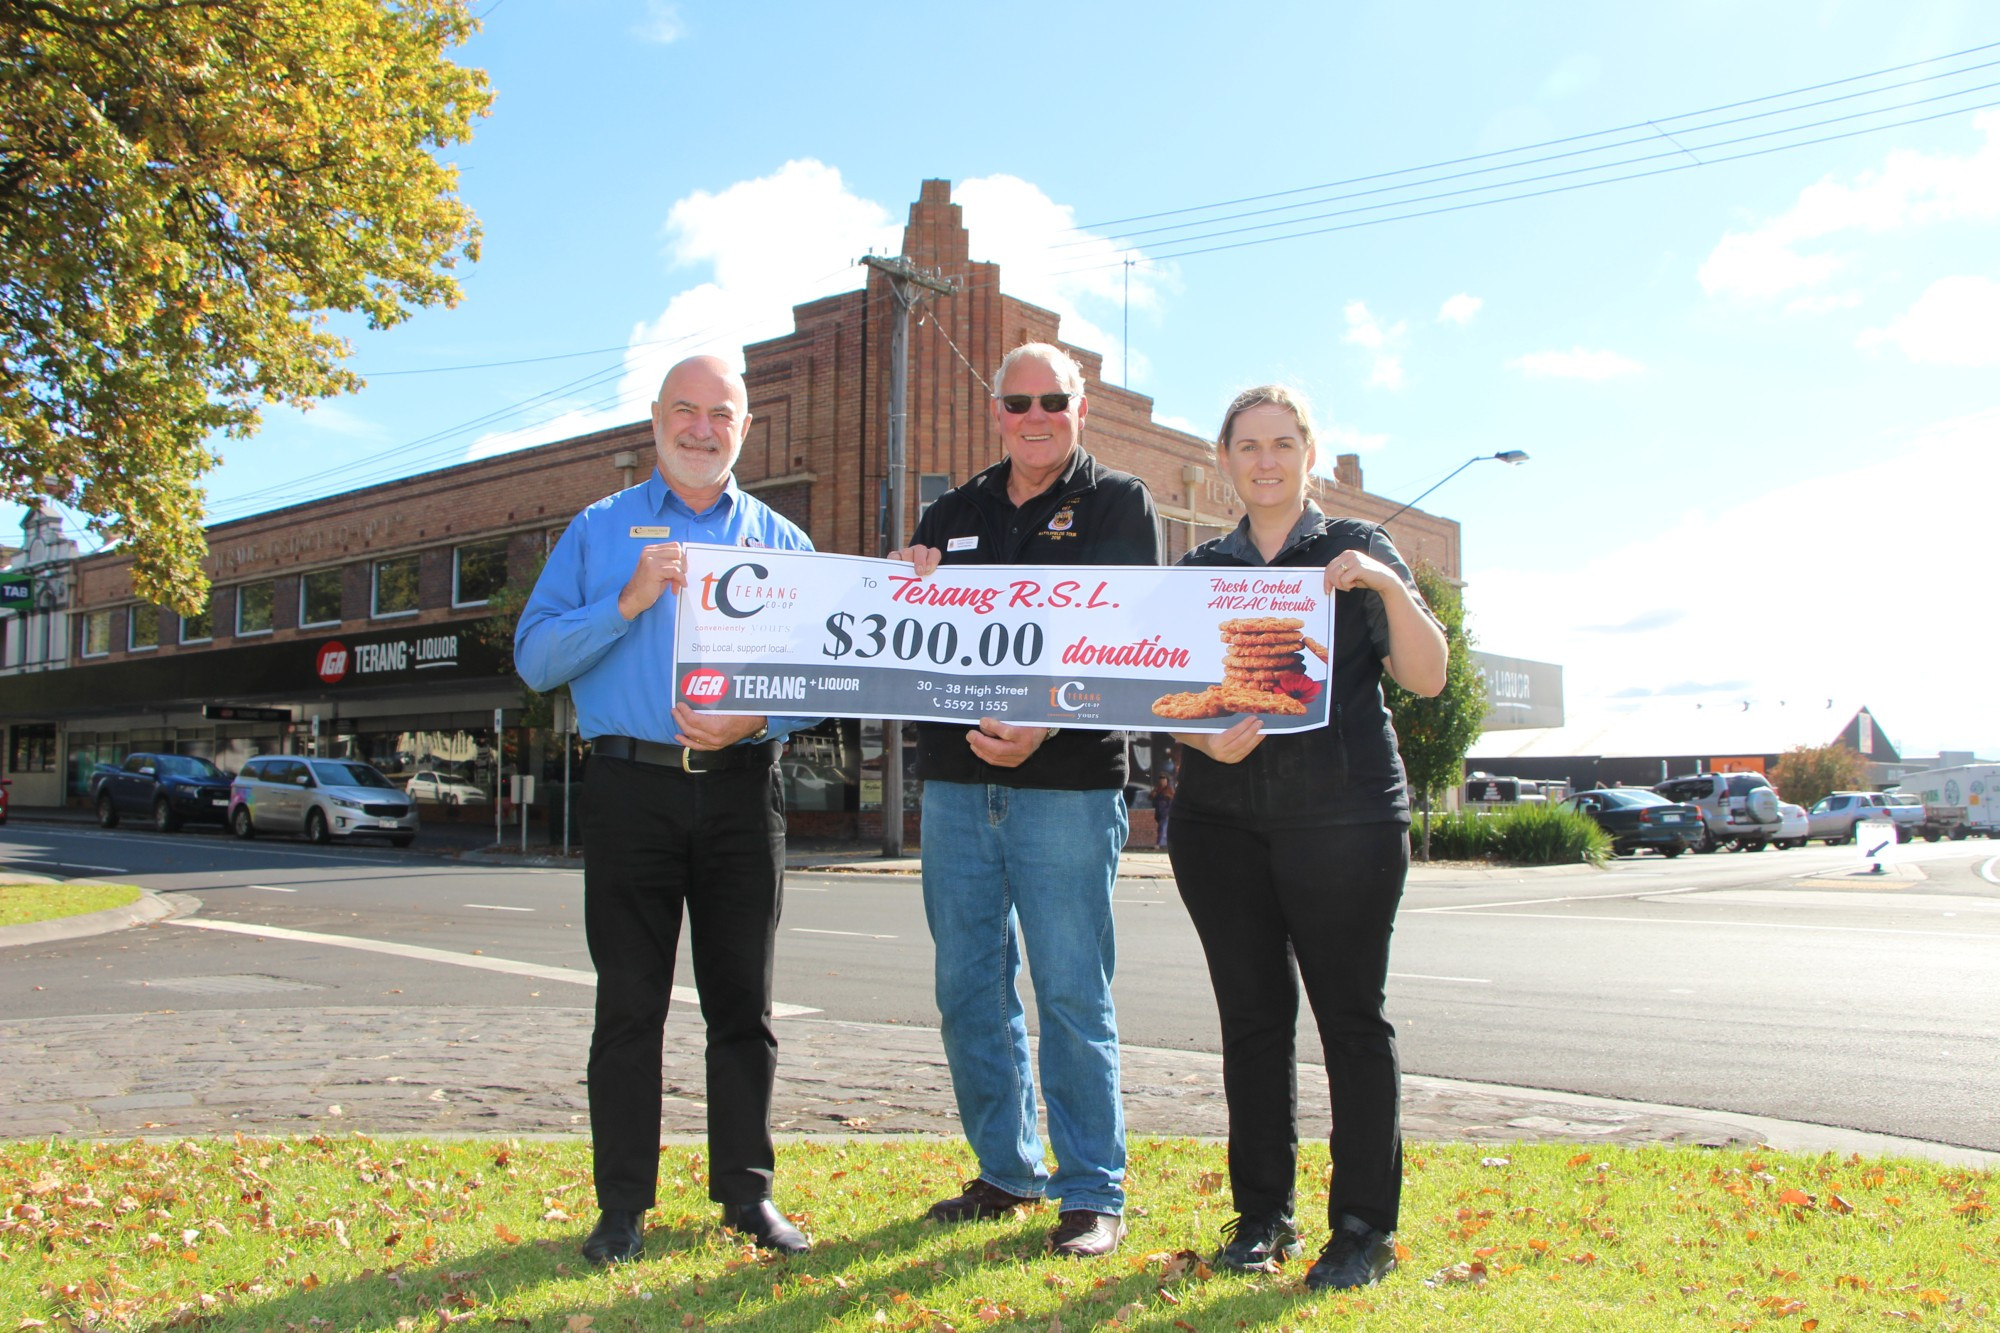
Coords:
1762,397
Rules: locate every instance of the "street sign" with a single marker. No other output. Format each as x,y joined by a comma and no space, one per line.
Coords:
238,713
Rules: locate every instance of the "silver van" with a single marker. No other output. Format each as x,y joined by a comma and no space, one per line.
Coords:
321,798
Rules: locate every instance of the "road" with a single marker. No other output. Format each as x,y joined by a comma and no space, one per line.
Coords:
1778,984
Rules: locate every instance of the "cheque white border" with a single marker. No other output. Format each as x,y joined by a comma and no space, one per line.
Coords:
816,634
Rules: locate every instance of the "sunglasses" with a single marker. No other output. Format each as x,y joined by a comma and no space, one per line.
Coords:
1017,404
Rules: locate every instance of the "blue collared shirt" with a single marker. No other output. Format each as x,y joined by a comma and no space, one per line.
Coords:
571,630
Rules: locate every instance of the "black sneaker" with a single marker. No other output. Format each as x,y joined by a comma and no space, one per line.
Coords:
1357,1256
980,1201
1258,1243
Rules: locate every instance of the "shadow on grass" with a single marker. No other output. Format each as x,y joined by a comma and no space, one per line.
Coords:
694,1272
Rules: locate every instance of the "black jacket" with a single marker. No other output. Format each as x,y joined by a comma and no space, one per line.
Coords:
1090,515
1347,772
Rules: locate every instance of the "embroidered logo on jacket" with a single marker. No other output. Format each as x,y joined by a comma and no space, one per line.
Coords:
1062,522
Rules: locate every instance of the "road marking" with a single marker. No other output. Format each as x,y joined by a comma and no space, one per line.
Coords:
1739,925
74,865
1566,898
857,934
1986,871
541,971
268,888
492,907
1419,976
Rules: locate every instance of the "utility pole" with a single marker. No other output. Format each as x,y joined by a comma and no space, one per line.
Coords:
908,282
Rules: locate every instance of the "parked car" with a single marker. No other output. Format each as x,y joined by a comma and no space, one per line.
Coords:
430,785
1793,825
1834,818
1738,810
171,789
1636,818
321,798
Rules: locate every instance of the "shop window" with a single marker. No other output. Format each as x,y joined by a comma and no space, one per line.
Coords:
396,586
97,634
319,598
142,627
478,572
31,748
254,605
200,627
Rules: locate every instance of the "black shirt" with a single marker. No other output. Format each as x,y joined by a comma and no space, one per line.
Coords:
1090,515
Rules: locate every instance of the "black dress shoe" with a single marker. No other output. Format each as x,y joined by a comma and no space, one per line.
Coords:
1358,1256
618,1237
762,1222
1258,1243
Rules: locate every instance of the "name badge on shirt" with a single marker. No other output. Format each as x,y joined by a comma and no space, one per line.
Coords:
962,544
653,531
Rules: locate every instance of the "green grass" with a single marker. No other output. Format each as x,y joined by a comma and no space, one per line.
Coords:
415,1234
21,904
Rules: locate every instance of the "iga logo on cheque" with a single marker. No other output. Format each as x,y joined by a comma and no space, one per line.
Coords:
704,685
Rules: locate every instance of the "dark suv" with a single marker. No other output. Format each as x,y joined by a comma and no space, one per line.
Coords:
170,789
1737,809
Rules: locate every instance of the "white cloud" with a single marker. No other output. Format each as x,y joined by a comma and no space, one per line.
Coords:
661,23
1578,363
1345,440
1823,303
1956,322
1364,330
768,243
777,241
1750,627
1459,309
1044,259
1911,189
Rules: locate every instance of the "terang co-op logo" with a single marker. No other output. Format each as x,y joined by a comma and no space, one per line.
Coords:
739,601
1071,697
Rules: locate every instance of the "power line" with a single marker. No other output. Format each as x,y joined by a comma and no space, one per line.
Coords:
1547,143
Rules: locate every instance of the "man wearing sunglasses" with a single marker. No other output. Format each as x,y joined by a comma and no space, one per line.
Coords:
1022,828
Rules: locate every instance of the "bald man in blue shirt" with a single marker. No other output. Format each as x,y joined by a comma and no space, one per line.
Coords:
682,811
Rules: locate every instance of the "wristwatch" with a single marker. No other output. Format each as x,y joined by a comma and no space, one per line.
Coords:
761,734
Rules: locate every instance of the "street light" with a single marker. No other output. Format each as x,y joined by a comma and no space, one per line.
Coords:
1511,457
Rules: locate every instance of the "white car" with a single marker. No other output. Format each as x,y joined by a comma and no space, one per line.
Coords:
429,785
1793,825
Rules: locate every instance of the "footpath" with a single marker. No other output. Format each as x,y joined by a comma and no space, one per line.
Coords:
518,1070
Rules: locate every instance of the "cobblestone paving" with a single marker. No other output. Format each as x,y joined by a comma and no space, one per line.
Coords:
520,1071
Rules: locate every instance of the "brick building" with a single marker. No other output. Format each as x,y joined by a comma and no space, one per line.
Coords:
356,624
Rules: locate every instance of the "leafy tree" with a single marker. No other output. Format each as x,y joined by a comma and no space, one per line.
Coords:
1805,775
1434,734
186,186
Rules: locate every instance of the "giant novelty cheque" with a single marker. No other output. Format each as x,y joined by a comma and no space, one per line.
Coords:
1112,647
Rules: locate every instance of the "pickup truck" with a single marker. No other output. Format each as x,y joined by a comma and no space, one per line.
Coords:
1834,818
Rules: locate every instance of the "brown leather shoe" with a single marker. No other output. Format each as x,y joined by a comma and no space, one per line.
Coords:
1082,1234
980,1201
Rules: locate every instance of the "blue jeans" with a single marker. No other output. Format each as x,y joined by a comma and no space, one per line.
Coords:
1004,866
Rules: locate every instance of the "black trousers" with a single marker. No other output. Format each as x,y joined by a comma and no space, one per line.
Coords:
660,840
1272,908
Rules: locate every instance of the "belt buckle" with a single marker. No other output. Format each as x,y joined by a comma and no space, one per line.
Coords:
687,752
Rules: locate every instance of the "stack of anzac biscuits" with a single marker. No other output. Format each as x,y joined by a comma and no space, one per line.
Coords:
1259,653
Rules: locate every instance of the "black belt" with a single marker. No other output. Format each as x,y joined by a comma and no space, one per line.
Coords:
686,759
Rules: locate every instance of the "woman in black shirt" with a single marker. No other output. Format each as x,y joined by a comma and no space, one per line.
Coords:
1294,848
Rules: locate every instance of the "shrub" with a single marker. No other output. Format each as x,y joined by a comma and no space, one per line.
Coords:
1548,835
1459,836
